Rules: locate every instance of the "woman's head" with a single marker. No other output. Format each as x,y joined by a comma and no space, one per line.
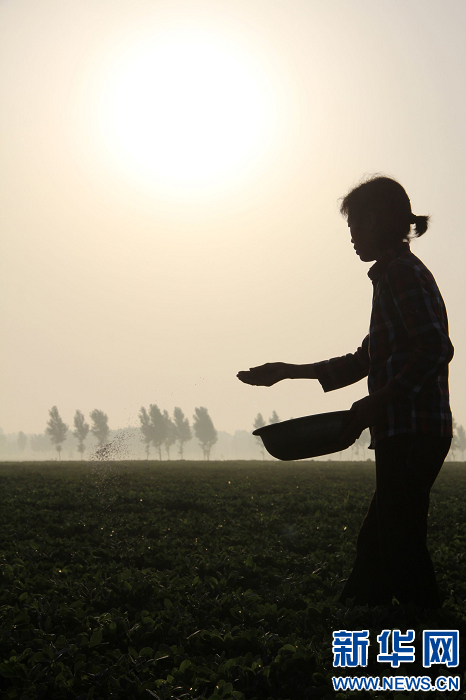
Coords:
385,202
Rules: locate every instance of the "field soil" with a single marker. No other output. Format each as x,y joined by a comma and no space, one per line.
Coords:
215,580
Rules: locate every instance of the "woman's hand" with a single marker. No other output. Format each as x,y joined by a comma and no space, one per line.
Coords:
265,375
365,412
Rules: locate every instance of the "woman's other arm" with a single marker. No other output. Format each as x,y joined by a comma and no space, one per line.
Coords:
332,374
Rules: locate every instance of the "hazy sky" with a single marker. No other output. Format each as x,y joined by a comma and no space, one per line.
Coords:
170,176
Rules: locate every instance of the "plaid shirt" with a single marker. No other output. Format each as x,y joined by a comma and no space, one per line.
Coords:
407,348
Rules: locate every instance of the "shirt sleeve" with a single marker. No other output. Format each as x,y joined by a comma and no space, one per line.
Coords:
342,371
422,311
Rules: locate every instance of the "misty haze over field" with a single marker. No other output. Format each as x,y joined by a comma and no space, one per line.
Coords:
127,444
171,175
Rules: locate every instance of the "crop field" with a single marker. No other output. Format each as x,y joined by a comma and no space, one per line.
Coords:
200,580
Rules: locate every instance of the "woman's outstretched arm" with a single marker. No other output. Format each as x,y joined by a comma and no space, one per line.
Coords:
273,372
332,374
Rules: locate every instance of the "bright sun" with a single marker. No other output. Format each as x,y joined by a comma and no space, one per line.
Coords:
186,110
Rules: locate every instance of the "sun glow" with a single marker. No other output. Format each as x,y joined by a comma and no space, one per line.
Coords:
186,110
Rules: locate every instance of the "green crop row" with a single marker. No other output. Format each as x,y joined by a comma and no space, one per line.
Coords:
188,580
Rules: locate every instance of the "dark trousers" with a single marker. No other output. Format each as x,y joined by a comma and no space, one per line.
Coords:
391,551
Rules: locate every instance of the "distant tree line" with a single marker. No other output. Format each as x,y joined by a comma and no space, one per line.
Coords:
57,429
157,427
160,430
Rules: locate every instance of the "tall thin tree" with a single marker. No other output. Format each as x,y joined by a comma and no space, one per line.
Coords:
461,440
81,430
57,429
170,437
100,428
183,429
159,428
204,430
259,422
454,440
146,429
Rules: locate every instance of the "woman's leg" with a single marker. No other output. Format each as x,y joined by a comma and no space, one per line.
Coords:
391,551
406,468
364,584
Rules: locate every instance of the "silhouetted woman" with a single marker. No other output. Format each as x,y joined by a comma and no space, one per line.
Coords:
405,357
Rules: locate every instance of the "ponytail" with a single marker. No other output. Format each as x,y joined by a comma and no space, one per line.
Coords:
420,224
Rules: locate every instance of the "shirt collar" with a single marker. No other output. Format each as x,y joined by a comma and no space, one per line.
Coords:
377,270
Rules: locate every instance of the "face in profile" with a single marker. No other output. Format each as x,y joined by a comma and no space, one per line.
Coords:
363,237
